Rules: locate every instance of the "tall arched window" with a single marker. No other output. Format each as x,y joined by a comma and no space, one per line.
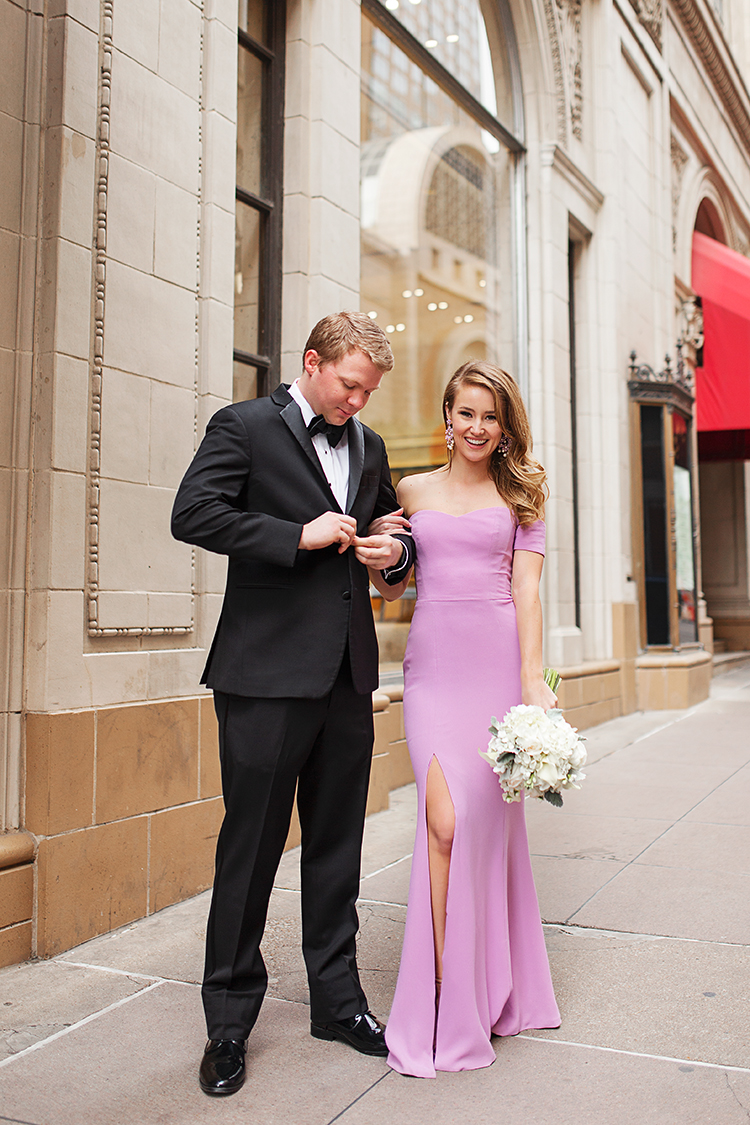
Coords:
437,169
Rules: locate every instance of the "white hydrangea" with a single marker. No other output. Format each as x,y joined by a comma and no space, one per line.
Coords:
536,752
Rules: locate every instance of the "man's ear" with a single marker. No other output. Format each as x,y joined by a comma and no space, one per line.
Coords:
311,361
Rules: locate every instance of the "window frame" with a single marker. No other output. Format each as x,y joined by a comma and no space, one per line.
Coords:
270,205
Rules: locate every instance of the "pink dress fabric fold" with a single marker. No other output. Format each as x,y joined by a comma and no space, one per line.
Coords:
462,666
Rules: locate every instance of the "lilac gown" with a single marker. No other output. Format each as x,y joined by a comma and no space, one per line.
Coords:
462,666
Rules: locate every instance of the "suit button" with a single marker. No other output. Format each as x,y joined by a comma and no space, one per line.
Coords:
346,595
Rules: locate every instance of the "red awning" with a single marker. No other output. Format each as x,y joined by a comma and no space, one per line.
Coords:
721,278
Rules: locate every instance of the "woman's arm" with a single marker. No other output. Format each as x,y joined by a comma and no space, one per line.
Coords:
527,571
388,524
390,593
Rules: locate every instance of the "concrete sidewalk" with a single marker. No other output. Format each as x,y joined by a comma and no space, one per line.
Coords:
644,883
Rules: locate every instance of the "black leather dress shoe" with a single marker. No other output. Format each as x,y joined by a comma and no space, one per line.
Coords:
222,1066
364,1033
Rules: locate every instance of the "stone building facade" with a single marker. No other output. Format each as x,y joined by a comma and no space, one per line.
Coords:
187,188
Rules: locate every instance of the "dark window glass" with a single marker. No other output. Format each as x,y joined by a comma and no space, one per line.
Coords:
655,526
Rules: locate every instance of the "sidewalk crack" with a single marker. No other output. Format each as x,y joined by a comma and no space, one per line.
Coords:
732,1091
359,1098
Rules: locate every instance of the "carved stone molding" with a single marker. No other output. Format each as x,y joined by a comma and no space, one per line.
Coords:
690,327
100,280
679,162
550,11
650,13
564,30
569,15
702,40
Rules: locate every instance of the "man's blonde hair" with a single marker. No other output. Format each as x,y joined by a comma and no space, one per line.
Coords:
336,335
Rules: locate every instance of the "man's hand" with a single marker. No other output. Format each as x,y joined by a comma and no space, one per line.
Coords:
378,551
331,527
389,524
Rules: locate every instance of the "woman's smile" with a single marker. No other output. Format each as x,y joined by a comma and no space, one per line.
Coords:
476,427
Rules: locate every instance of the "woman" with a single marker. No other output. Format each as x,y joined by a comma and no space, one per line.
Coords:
474,960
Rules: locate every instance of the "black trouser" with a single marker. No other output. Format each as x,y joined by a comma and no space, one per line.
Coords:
267,747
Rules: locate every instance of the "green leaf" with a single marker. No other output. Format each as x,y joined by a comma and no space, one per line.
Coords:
506,759
553,798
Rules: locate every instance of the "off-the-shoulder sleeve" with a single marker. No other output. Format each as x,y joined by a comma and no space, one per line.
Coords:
530,538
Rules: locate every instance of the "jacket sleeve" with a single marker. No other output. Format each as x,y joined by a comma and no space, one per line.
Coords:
387,502
207,510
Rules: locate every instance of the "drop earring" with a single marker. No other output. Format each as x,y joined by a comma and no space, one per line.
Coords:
450,441
503,446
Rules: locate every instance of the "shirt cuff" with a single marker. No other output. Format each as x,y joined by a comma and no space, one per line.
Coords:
391,572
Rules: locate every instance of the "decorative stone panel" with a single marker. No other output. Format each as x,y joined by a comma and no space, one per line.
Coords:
144,356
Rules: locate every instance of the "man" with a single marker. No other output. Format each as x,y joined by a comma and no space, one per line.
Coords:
285,486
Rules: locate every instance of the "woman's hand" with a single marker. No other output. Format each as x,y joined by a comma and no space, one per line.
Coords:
389,524
538,694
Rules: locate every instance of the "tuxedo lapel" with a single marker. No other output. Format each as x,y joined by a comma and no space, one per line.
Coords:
356,439
292,416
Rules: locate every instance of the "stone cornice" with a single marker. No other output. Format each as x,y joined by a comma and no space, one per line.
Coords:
556,157
717,62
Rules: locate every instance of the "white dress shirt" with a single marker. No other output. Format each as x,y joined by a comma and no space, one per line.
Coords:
335,462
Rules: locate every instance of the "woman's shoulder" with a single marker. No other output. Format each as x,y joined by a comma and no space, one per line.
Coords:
411,490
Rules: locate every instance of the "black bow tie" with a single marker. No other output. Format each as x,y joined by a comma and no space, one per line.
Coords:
318,425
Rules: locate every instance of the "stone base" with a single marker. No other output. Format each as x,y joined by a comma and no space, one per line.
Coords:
16,896
591,693
673,680
123,807
735,631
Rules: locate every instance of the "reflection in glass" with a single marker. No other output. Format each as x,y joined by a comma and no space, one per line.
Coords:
249,103
252,18
245,382
246,277
457,36
435,244
683,511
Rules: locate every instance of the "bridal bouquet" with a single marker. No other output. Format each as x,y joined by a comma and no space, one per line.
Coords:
535,751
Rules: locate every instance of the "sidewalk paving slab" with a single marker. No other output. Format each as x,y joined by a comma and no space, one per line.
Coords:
642,879
534,1082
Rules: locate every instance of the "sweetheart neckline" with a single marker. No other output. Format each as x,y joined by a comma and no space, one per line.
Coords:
460,516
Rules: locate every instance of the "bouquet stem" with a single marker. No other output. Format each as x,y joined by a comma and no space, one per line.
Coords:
552,679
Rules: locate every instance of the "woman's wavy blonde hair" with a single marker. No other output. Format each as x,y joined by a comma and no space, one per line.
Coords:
518,477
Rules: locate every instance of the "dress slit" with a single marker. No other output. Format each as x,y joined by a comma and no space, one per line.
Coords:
435,764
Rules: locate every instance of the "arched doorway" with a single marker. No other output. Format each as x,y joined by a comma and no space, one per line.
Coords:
721,278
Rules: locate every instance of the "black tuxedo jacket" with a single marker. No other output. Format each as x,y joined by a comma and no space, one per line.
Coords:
287,613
